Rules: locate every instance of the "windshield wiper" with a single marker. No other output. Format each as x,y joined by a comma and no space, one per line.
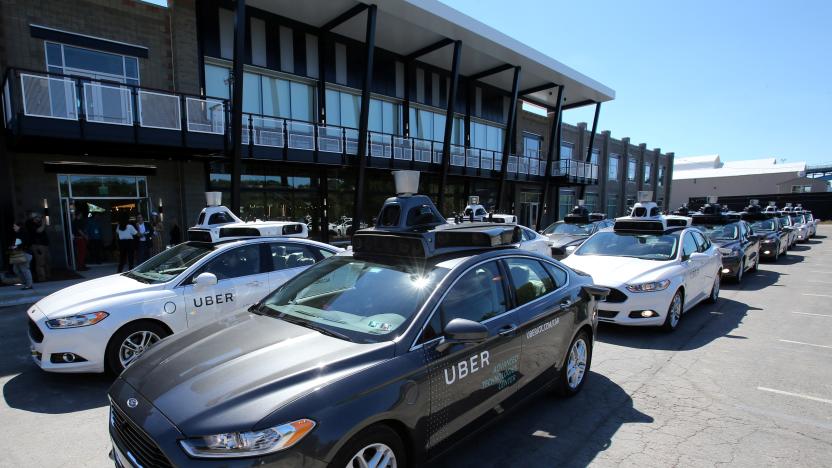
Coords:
316,327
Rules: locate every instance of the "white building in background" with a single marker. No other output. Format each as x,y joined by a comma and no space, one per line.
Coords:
699,176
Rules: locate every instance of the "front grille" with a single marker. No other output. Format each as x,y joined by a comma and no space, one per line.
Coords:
132,439
616,296
607,314
35,332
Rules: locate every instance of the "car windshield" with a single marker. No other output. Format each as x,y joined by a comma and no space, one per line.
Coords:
767,225
355,299
170,263
786,221
618,244
797,219
565,228
718,232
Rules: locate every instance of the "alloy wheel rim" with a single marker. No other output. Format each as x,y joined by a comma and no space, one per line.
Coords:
740,271
135,345
576,366
675,310
376,455
715,291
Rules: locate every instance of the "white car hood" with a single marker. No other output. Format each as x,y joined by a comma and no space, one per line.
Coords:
617,271
89,294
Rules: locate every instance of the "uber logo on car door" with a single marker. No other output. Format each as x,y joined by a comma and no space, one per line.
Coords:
213,299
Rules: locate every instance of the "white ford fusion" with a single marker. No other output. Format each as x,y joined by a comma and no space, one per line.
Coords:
655,272
106,323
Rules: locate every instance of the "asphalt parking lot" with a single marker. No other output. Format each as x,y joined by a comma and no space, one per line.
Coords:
744,382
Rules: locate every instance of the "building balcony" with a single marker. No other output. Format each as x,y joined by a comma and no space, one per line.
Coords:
43,107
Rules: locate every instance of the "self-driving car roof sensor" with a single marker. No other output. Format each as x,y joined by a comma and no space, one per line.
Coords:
217,222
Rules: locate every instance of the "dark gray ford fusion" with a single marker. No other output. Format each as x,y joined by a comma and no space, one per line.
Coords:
365,359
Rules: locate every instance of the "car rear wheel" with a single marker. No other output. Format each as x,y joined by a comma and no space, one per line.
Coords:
375,447
674,312
777,252
714,291
572,375
756,265
740,272
130,342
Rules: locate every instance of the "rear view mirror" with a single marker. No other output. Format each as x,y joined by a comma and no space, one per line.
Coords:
460,331
204,280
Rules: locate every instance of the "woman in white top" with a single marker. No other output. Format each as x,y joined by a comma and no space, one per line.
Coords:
126,244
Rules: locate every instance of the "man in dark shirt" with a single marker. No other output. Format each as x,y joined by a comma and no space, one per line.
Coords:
39,244
79,232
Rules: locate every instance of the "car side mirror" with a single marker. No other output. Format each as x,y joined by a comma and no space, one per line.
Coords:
698,256
788,228
462,331
204,280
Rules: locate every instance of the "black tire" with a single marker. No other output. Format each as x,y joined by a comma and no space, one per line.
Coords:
756,265
111,356
777,253
714,296
669,324
378,434
563,388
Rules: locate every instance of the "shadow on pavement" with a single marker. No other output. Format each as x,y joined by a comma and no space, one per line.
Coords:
699,326
754,281
548,431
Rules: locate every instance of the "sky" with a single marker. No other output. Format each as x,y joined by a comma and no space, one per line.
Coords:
742,78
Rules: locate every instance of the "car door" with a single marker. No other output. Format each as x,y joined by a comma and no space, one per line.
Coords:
693,274
241,281
707,266
534,242
467,381
546,307
749,247
286,259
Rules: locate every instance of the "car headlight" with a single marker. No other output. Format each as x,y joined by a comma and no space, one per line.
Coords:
727,252
768,241
247,444
649,286
75,321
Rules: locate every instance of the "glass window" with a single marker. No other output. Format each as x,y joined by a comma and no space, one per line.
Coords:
612,206
170,263
237,262
531,145
375,120
350,108
661,176
333,107
438,126
91,60
103,186
216,81
302,101
220,218
730,231
71,60
560,276
612,171
54,56
528,234
286,256
648,168
359,300
276,97
631,169
479,135
566,150
252,96
659,247
702,243
688,246
495,138
567,202
594,157
529,279
478,295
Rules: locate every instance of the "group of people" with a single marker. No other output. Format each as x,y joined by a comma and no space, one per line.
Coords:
138,240
31,242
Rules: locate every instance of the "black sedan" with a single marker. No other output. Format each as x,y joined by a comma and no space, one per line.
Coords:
739,246
774,237
365,359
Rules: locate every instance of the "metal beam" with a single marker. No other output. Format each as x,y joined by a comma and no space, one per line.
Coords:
364,116
491,71
449,123
591,144
237,105
578,104
539,103
343,17
535,89
512,112
553,142
428,49
323,37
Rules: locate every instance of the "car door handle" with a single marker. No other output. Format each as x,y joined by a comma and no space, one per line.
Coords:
254,283
565,303
508,330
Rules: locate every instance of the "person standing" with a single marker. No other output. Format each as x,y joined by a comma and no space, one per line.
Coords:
158,234
126,239
39,242
144,240
93,231
79,234
19,257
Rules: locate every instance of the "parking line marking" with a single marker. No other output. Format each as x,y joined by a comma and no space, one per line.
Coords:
820,281
807,344
814,315
798,395
817,295
827,272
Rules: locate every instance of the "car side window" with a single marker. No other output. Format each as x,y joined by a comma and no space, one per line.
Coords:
559,275
478,295
688,246
241,261
529,279
286,255
702,243
325,253
528,234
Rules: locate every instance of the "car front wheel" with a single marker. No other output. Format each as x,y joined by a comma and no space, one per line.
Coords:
714,291
130,342
674,312
375,447
572,375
